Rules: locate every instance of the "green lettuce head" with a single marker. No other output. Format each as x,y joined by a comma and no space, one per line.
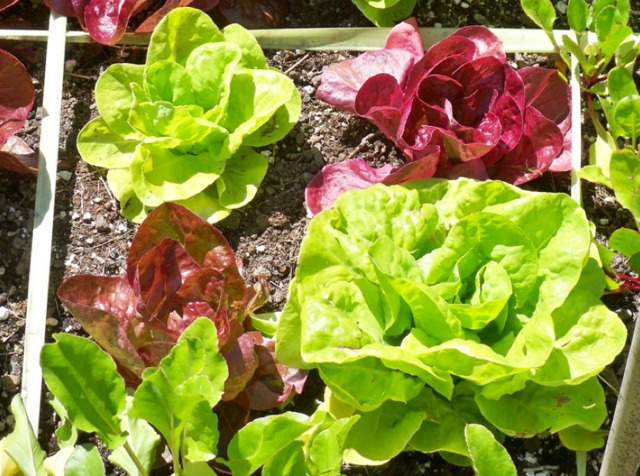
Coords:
438,304
181,127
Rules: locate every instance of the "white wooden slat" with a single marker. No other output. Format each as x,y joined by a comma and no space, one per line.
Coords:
337,39
43,219
576,130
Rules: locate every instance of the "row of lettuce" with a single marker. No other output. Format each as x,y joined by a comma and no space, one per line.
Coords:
441,313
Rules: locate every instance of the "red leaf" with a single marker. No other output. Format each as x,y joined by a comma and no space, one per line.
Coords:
107,309
272,382
16,95
17,156
106,20
204,243
160,274
242,361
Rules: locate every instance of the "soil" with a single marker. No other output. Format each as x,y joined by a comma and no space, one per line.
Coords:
90,235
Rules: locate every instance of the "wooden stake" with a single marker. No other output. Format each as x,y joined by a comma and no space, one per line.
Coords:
43,219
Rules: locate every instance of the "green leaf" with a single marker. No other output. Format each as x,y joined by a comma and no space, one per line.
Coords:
84,461
115,95
266,323
290,460
168,81
625,176
142,439
625,241
256,95
171,397
159,175
594,174
262,439
488,457
54,464
627,115
541,12
199,468
385,12
537,409
201,434
578,15
242,176
577,438
607,21
252,55
66,433
327,447
101,146
179,33
211,67
22,445
443,430
620,83
393,424
573,48
377,383
84,379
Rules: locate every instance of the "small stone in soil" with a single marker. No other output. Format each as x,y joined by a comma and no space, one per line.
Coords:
4,313
10,382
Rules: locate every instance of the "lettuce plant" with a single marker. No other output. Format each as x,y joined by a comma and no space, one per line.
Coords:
106,22
385,12
459,109
182,126
180,268
16,100
436,304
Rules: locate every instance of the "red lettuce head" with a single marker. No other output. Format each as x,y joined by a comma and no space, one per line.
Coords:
459,108
180,268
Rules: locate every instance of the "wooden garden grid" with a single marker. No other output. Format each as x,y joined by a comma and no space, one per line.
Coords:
351,39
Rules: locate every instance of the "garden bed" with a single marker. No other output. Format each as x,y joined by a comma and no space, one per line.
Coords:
90,235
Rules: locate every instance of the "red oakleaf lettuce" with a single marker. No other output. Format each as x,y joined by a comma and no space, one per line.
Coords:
107,20
16,100
462,99
180,268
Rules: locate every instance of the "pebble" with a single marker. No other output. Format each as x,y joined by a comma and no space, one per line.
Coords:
64,175
4,313
86,217
102,226
261,248
10,382
561,6
52,322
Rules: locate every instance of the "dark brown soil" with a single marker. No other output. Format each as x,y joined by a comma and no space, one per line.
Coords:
90,236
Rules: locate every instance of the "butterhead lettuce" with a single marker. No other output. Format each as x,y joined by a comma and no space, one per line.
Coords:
181,127
436,304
